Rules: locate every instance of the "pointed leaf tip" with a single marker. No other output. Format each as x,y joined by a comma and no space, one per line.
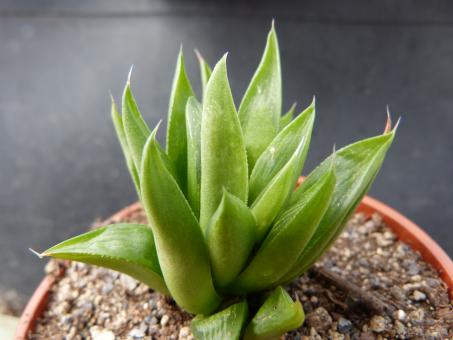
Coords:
231,227
388,124
356,167
205,71
118,124
395,128
40,255
176,127
278,315
224,325
129,75
223,155
260,108
126,247
198,54
135,128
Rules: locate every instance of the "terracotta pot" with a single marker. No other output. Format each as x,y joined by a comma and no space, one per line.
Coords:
406,230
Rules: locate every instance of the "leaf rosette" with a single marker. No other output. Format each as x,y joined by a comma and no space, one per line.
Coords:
225,222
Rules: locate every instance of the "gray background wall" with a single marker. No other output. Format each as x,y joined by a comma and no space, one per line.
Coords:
61,166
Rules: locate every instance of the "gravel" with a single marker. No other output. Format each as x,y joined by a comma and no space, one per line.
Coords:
95,303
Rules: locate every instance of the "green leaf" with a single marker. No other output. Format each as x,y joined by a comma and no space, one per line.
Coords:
278,315
127,248
231,227
287,117
280,150
356,168
119,128
193,123
176,128
260,108
205,71
181,250
135,128
224,325
288,237
223,156
277,170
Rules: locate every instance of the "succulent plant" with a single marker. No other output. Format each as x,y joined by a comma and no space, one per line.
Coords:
226,227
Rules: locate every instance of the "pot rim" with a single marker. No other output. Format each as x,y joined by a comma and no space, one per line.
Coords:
405,229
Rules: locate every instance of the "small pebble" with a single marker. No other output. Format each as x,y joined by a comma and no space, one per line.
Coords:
377,324
137,333
416,278
400,315
51,267
314,300
398,293
153,321
184,333
412,268
128,282
164,320
400,328
107,288
344,325
319,318
314,334
375,283
98,333
382,242
417,316
418,296
408,287
335,336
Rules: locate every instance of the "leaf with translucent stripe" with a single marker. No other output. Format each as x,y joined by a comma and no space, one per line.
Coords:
127,248
288,237
176,128
223,157
180,245
231,227
356,167
261,106
278,314
224,325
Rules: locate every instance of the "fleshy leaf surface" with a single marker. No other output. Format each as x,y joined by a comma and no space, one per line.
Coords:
287,117
135,128
224,325
356,167
280,150
193,123
261,106
127,248
180,245
288,237
119,128
205,71
280,166
278,315
176,128
223,156
231,227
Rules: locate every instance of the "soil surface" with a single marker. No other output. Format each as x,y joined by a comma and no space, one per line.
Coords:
368,286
